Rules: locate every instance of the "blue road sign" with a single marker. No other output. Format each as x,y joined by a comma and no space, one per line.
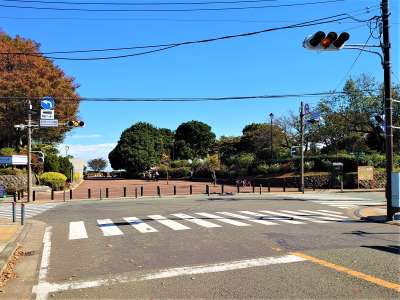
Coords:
47,103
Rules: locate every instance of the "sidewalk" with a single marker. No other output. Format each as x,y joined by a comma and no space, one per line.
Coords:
375,214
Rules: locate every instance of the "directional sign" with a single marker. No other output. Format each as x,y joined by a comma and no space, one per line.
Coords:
47,103
48,123
47,114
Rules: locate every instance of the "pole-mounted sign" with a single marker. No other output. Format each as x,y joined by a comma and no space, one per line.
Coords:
47,103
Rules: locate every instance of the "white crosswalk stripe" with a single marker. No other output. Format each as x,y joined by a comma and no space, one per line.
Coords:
349,203
77,230
31,209
336,216
279,218
264,222
224,220
330,211
109,228
169,223
139,225
320,216
197,221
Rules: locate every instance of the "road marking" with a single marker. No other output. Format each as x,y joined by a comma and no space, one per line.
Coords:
360,275
139,225
296,215
44,264
264,222
169,273
169,223
282,219
319,216
77,230
331,211
337,217
225,220
194,220
108,227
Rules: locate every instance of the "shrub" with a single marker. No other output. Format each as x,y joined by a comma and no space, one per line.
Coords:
309,165
275,168
7,151
54,180
179,163
179,172
10,171
262,169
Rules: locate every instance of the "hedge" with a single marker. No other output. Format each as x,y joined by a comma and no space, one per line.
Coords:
54,180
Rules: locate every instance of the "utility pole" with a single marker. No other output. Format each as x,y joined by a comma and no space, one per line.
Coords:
271,115
388,106
29,150
301,147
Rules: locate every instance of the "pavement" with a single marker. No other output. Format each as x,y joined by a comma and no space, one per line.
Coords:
240,246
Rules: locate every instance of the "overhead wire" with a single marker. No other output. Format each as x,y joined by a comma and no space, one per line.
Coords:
166,46
171,9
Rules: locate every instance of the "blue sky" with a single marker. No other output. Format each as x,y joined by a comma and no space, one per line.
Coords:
270,63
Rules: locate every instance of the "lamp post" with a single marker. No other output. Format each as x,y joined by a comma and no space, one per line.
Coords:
271,116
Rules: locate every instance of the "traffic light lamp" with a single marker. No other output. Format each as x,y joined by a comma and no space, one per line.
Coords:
40,156
329,42
75,123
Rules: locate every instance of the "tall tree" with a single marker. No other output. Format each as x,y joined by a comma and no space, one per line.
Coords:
31,77
97,164
140,147
194,139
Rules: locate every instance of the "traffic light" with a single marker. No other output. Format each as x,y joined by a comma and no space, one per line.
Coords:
40,157
74,123
329,42
380,119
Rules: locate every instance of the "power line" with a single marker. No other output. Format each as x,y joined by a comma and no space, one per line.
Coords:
139,3
187,99
163,47
172,9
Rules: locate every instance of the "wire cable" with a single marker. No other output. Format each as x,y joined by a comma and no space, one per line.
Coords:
172,9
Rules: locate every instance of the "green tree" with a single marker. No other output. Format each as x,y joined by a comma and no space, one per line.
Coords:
140,147
97,164
31,77
194,139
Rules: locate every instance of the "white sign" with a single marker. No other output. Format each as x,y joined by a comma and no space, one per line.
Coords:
14,160
48,123
47,114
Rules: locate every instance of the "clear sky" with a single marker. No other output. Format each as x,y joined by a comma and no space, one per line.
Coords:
269,63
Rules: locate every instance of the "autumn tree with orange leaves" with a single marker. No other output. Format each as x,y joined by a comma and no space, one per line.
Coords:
32,77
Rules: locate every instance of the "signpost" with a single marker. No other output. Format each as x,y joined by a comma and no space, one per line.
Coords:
364,173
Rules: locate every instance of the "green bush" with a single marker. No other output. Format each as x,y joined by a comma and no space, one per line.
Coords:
10,171
179,172
54,180
179,163
7,151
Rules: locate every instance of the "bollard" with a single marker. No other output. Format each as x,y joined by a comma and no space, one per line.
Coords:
260,188
158,191
34,196
14,213
106,192
64,196
100,195
124,191
313,185
22,213
254,188
19,195
269,187
22,193
174,190
136,194
141,191
222,189
52,194
238,188
208,190
341,185
284,185
89,193
15,196
70,194
191,190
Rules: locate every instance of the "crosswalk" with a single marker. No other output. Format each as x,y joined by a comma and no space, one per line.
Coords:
350,203
182,221
31,209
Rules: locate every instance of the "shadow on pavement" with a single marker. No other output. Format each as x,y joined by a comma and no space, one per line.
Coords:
390,248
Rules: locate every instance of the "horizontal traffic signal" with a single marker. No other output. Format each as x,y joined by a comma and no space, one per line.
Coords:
74,123
322,41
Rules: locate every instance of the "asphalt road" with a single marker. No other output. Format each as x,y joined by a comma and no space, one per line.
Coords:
299,249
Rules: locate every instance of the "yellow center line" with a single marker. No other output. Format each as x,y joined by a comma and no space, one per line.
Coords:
366,277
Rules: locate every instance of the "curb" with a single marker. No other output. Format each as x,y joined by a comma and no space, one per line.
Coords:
9,250
374,219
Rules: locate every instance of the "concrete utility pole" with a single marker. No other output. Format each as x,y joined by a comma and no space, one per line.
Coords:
29,150
301,147
388,106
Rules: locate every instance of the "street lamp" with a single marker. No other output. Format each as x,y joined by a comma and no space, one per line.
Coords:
271,115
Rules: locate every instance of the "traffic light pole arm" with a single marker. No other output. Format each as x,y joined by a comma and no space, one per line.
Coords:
351,47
